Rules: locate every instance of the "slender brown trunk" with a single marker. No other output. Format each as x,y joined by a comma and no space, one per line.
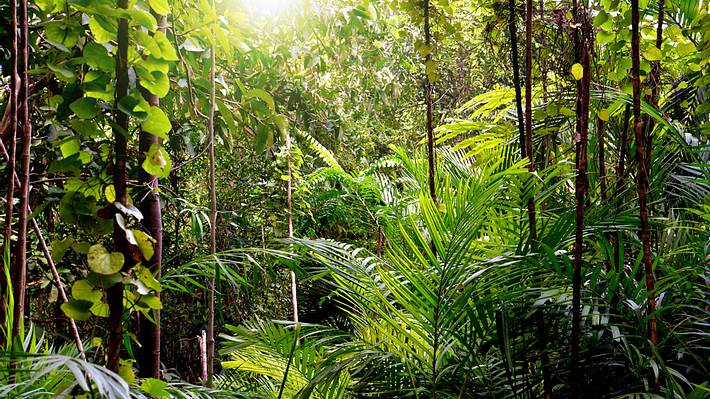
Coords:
642,172
543,71
48,256
149,334
602,160
11,111
19,277
429,105
114,294
620,172
213,217
654,81
516,75
581,139
528,113
289,205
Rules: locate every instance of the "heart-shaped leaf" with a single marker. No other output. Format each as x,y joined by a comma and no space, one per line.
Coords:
104,262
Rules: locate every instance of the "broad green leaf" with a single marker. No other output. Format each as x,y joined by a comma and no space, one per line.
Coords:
157,161
160,6
157,123
652,53
156,82
62,72
104,262
70,147
102,28
97,56
144,19
605,37
85,128
144,39
135,107
684,49
85,108
263,95
110,193
83,290
155,388
146,277
100,309
77,309
577,71
264,137
167,50
150,301
61,34
60,247
145,243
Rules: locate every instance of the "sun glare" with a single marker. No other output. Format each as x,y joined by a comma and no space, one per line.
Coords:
272,7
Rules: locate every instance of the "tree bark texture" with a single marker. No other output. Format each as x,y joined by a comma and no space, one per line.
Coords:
428,93
642,177
581,140
11,112
19,277
114,294
149,334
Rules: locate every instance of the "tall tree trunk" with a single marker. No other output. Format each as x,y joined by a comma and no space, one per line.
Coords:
19,278
213,215
642,171
543,72
528,113
428,92
620,172
114,295
513,30
601,131
11,111
149,353
289,205
654,81
581,140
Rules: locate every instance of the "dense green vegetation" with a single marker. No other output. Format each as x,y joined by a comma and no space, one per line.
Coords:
355,198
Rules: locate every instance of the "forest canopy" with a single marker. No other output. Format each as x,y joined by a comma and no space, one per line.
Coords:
355,199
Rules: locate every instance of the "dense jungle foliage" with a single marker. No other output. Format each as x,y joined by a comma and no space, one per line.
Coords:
355,199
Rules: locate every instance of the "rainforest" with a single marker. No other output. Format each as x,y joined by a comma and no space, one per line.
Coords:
352,199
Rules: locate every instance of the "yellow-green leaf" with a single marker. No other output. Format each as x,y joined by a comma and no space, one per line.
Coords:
652,53
145,243
104,262
577,71
603,115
